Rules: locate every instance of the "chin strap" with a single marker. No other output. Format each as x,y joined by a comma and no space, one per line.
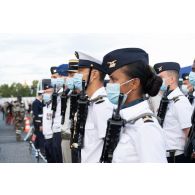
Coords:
89,76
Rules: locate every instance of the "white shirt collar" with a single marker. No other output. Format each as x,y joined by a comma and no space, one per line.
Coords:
136,110
100,91
175,93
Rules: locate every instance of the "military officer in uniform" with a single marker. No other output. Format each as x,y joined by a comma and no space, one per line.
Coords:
177,120
19,114
142,138
99,109
185,77
187,88
47,123
66,151
37,109
192,75
192,80
58,81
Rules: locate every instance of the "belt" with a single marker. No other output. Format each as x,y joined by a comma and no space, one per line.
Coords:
170,153
66,136
38,121
48,136
18,132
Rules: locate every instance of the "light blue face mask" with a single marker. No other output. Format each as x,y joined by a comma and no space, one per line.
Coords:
184,89
46,97
58,82
77,79
163,86
70,83
113,92
192,78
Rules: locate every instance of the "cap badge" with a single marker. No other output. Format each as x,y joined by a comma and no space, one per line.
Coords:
160,68
112,64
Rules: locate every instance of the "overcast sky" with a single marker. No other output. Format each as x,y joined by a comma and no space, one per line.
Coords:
25,57
161,28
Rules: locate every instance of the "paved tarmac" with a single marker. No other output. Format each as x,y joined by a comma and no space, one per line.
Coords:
12,151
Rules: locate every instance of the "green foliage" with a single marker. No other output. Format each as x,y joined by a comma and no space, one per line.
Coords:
16,89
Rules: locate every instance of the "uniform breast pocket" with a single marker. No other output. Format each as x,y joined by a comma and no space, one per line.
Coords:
89,126
90,134
124,150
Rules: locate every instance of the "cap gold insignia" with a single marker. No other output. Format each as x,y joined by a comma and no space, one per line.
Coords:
160,68
112,64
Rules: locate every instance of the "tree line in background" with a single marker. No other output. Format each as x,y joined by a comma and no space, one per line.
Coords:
16,89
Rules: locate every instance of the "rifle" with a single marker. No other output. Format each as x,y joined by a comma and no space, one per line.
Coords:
190,144
79,131
113,130
73,109
163,107
64,98
54,103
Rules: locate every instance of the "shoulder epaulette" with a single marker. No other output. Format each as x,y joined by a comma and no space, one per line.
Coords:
98,100
146,117
176,99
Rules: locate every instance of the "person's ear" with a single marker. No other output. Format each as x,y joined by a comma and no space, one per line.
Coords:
94,75
171,80
135,83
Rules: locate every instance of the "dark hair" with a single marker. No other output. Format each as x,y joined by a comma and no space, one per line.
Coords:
150,82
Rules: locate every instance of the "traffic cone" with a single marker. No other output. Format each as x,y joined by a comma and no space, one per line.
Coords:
33,138
27,125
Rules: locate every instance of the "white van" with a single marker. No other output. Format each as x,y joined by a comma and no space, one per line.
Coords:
42,83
